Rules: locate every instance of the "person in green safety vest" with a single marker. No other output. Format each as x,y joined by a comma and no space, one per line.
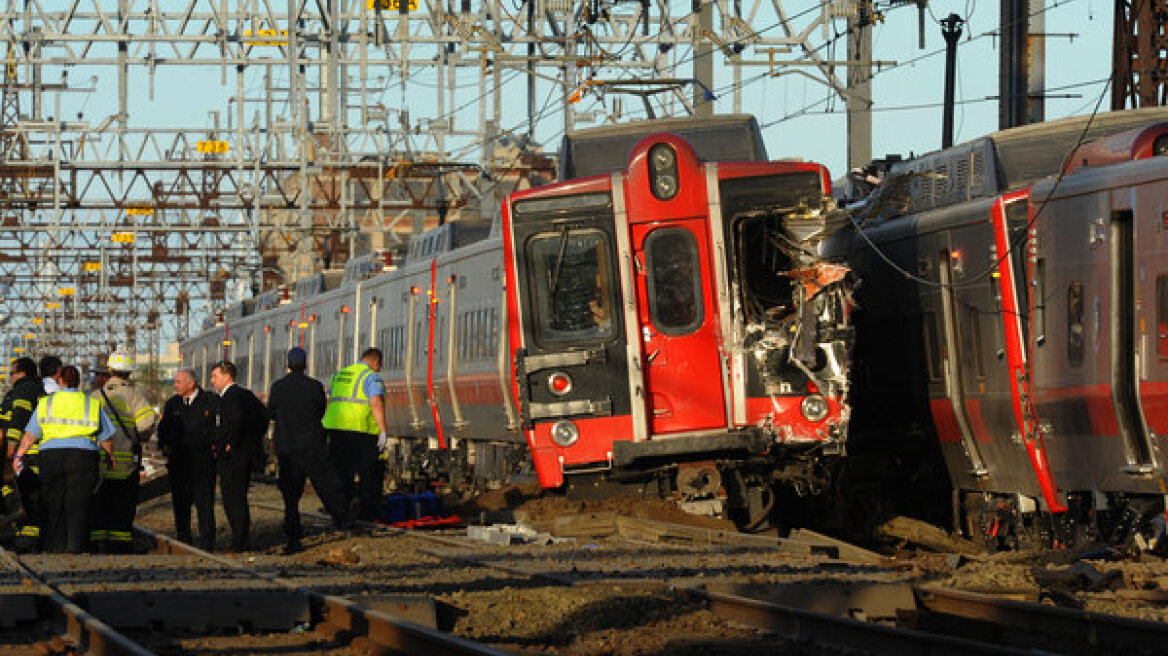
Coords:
355,420
72,432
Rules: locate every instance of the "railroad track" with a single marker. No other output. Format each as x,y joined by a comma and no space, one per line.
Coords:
178,599
868,618
913,620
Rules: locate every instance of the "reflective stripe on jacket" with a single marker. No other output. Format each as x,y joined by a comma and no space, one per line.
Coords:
133,419
348,406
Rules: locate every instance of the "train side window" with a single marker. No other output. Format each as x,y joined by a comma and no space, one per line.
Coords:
932,347
1162,317
1075,331
975,336
675,292
493,340
460,335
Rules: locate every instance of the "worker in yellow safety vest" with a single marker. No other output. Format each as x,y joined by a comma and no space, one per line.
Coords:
72,432
355,420
116,501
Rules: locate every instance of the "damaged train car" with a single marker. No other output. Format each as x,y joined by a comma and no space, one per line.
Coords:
674,328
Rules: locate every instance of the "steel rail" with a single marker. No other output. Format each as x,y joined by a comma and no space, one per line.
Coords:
372,626
864,637
1101,632
96,637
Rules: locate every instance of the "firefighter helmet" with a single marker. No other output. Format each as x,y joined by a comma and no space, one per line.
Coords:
121,360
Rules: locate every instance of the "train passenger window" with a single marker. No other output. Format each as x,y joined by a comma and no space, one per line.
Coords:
572,286
932,347
675,292
1075,332
1162,317
493,340
975,337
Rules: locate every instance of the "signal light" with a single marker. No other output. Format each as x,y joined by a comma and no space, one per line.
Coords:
559,383
344,309
663,179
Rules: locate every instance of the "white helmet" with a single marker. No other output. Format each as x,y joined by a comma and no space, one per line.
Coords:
121,360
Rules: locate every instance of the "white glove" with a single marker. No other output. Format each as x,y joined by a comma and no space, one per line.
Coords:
382,441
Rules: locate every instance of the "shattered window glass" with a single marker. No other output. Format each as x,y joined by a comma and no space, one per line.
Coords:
767,294
571,284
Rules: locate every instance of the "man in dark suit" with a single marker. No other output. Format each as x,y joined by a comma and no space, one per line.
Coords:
297,404
185,436
233,450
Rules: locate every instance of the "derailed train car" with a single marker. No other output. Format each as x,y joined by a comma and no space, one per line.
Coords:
665,326
1012,312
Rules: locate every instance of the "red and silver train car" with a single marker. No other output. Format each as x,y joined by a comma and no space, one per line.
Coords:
1016,316
666,325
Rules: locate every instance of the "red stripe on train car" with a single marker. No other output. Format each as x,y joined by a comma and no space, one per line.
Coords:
977,421
945,420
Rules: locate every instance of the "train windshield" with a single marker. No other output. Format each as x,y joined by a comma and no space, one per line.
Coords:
572,288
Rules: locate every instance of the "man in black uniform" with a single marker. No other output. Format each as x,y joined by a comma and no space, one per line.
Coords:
28,479
297,403
15,412
185,436
233,450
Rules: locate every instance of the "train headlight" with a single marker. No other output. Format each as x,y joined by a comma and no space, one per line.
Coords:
1160,146
565,433
663,181
814,408
559,383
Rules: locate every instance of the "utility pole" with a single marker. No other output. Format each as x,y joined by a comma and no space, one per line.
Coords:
951,31
1036,63
859,96
1012,75
703,66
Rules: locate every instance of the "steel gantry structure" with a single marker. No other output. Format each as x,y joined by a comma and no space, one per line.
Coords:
335,127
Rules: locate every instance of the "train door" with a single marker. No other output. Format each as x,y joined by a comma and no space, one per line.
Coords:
953,362
683,375
1013,236
1151,270
1124,352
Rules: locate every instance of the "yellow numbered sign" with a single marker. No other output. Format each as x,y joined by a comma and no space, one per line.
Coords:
214,147
392,5
265,37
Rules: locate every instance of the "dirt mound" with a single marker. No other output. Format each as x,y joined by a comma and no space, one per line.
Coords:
548,508
529,502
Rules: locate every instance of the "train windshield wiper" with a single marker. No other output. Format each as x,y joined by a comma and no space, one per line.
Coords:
555,281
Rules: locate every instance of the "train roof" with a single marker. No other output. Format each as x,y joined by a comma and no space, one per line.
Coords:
605,149
446,237
1001,161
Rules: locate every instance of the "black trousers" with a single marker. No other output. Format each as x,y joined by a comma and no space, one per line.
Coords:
314,465
28,484
355,455
192,482
69,476
234,475
114,506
